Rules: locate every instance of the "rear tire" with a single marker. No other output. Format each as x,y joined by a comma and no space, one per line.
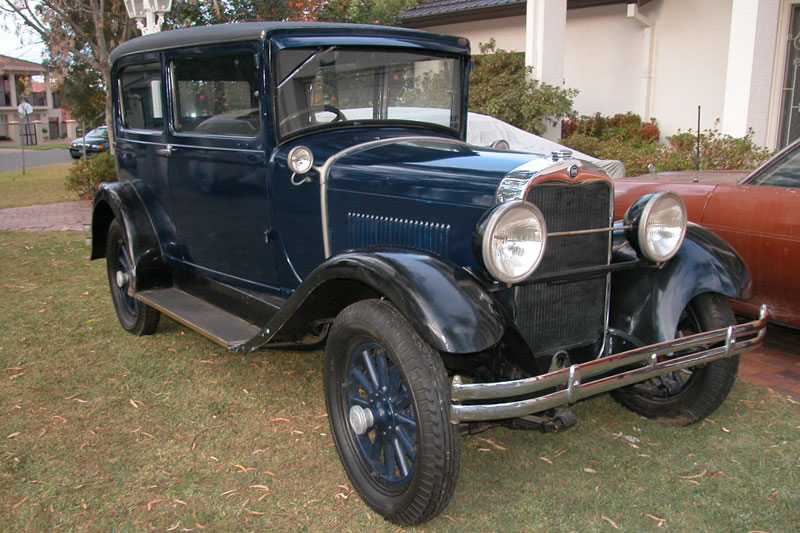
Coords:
135,316
698,391
401,451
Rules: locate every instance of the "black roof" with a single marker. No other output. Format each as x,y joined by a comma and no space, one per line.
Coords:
257,31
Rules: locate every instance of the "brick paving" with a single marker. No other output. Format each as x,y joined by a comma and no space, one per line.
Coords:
775,365
65,216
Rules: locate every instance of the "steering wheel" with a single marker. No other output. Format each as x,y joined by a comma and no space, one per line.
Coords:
311,112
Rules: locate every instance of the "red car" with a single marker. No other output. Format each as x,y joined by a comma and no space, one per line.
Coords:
757,213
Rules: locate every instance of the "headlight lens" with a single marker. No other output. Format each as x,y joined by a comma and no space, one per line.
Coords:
662,226
513,241
300,159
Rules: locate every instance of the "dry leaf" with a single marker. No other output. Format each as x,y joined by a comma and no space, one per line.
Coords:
280,419
262,487
269,473
344,487
253,512
151,503
243,469
20,502
590,470
16,434
692,481
492,443
546,460
607,519
701,474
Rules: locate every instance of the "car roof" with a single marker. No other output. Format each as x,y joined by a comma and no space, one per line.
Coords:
258,31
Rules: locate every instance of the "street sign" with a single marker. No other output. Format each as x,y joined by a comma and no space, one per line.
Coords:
25,109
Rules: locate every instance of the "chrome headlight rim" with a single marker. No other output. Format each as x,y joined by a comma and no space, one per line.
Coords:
487,232
300,159
641,229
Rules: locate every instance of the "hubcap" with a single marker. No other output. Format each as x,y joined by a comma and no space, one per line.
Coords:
380,414
122,279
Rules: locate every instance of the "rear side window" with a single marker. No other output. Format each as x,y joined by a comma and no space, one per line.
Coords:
216,95
140,91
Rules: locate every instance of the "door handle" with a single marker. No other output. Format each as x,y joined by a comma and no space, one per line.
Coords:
166,151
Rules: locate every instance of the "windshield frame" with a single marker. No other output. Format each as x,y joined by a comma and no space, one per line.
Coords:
458,110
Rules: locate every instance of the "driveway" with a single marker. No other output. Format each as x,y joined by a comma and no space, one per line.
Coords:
11,159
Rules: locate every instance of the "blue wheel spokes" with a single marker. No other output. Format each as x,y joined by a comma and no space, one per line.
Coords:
375,383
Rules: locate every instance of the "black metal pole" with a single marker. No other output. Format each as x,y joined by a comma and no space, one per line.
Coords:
697,158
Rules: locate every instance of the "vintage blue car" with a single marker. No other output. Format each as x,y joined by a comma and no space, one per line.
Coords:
293,184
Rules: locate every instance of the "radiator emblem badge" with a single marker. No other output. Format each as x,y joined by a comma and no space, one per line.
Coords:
573,171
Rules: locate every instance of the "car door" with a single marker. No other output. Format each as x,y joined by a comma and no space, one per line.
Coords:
217,164
761,220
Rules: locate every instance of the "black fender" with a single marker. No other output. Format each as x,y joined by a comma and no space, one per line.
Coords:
447,306
122,201
646,303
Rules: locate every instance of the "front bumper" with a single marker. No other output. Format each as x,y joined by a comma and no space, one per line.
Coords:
587,379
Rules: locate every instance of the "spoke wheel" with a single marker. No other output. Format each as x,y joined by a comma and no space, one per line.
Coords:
686,396
388,403
133,315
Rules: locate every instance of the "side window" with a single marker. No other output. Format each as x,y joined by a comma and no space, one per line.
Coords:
140,91
216,95
784,173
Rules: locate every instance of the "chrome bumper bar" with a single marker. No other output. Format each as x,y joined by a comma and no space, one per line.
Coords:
575,382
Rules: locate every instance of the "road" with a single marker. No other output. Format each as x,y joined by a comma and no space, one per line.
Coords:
11,159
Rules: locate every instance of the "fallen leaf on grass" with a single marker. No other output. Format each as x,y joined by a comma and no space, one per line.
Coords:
151,503
135,403
244,469
718,473
607,519
20,502
228,493
262,487
280,419
344,487
341,496
324,415
590,470
253,512
492,443
197,522
726,430
16,434
180,502
176,526
701,474
269,473
147,434
692,481
546,460
660,521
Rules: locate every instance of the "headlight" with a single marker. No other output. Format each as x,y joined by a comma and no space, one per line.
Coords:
512,239
300,159
659,223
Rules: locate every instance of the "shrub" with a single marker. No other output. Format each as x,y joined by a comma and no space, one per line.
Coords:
501,86
635,143
87,173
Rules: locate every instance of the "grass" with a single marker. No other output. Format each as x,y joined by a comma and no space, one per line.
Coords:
43,146
100,430
39,185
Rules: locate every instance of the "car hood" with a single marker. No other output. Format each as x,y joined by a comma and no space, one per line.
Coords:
429,169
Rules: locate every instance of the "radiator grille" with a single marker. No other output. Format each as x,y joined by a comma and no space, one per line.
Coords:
367,230
566,315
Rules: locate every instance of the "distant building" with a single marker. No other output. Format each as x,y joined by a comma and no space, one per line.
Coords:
25,81
738,59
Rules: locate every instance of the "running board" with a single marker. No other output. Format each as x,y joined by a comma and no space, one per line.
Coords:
210,321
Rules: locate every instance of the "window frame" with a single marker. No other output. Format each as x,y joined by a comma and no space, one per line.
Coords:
143,59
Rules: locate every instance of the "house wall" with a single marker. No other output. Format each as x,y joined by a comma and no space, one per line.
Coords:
508,32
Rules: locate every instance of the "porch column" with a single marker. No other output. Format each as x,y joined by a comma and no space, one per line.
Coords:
48,92
12,79
748,81
545,24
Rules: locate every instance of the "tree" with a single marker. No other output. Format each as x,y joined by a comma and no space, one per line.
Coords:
374,12
501,86
83,93
77,32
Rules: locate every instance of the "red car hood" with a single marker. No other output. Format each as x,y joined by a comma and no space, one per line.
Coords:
707,177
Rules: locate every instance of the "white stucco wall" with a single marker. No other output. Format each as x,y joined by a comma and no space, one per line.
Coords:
601,59
508,32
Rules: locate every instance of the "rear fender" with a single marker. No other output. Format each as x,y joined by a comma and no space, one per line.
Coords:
122,201
646,303
447,306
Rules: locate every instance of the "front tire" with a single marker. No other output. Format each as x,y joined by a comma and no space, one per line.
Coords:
135,316
687,396
388,402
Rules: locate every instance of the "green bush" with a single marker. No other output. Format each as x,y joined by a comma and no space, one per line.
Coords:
501,86
87,173
635,143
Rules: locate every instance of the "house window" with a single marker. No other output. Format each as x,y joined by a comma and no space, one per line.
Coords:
790,107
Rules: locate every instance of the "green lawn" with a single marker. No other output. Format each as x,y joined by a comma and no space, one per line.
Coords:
103,431
39,185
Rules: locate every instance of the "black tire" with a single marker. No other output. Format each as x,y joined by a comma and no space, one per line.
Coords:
375,360
696,392
74,156
135,316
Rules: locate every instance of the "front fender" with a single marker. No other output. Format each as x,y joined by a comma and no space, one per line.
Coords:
448,307
646,303
121,201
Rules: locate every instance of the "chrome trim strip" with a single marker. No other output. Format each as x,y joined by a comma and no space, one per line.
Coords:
586,231
323,173
571,377
137,141
217,148
517,182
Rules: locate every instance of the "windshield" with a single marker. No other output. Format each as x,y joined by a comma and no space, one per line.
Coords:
320,86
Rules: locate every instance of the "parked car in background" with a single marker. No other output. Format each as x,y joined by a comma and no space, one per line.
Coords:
758,213
291,184
96,141
483,130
